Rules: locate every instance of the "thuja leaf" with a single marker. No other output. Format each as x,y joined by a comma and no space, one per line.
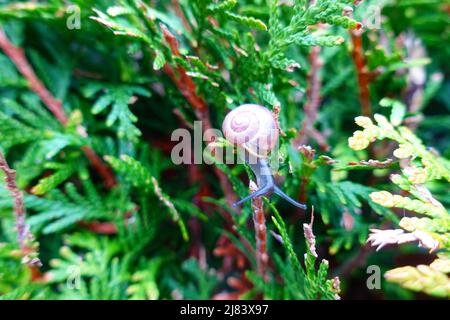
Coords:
342,21
265,92
247,21
62,173
133,171
13,132
325,41
118,98
119,27
398,110
222,6
281,227
159,61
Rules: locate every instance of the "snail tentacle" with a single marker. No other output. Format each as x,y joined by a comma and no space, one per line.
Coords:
264,177
283,195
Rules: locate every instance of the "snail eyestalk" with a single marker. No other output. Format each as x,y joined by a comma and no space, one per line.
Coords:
254,129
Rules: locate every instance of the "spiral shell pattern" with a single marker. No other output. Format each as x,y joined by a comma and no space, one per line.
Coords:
252,127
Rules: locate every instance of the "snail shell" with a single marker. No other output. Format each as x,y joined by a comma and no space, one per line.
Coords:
252,127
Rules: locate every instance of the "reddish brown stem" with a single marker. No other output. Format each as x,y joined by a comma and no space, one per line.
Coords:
259,221
188,89
19,59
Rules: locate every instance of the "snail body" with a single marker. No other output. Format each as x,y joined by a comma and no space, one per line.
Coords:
253,128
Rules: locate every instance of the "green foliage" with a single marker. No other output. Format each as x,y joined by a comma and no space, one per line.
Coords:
13,274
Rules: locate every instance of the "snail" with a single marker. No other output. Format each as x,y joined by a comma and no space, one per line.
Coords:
253,128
